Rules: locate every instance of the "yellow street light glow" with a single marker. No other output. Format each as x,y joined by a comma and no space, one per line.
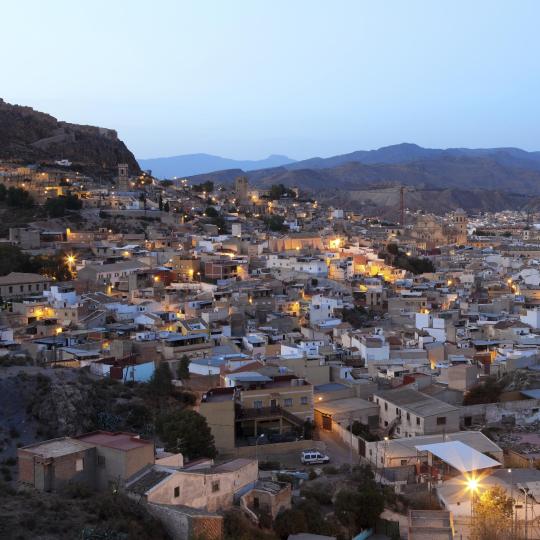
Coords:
472,484
70,259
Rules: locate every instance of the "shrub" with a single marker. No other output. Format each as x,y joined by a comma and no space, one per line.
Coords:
330,469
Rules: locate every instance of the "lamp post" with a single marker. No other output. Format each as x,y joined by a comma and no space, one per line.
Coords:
70,261
514,518
257,446
472,486
526,492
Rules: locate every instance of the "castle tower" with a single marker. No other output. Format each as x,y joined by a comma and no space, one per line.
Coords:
122,181
460,222
241,188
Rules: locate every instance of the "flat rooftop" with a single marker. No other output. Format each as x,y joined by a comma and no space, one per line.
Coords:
57,447
119,441
344,406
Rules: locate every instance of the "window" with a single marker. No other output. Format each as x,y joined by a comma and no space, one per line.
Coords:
79,464
398,430
417,421
408,417
257,404
441,420
177,492
288,402
386,406
403,462
101,461
385,423
304,400
10,288
215,486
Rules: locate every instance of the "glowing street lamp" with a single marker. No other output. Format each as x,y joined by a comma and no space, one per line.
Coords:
472,485
70,261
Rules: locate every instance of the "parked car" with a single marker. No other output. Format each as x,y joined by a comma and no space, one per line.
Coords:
313,457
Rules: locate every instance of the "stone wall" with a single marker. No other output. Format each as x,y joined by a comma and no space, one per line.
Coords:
524,411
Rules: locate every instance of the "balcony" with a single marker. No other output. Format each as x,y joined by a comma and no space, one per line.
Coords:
268,413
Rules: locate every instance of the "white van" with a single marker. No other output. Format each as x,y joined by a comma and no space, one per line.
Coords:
313,457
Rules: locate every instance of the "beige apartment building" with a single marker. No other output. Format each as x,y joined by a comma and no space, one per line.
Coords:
19,284
252,408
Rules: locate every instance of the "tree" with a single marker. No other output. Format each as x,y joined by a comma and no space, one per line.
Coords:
18,198
211,212
279,190
183,368
276,223
358,510
485,392
290,521
161,382
58,206
207,187
186,431
492,518
142,198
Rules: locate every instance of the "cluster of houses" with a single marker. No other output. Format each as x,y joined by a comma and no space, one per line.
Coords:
294,333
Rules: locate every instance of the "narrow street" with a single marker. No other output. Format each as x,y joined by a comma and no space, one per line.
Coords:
336,449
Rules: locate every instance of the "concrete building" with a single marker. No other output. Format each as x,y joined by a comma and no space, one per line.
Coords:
19,284
99,460
212,488
408,413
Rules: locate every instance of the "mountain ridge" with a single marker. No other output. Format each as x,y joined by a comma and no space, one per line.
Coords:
30,136
201,163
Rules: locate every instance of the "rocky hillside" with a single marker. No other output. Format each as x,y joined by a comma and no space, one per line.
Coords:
28,136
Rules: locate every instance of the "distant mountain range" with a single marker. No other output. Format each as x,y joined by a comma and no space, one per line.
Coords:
459,172
191,164
29,136
195,164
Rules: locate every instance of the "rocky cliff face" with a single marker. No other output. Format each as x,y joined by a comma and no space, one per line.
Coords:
29,136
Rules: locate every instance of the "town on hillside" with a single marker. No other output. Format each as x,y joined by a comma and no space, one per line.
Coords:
223,361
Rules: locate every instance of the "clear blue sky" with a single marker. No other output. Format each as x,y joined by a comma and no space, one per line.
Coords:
244,79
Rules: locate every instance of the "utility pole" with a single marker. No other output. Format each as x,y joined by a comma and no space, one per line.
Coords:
402,206
526,491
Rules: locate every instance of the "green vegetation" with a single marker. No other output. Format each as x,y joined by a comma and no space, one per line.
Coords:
275,223
487,391
360,508
13,259
59,206
417,265
207,187
74,513
493,515
277,191
186,431
182,371
357,317
361,430
160,384
237,526
16,197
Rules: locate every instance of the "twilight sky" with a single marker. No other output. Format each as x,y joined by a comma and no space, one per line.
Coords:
246,78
